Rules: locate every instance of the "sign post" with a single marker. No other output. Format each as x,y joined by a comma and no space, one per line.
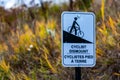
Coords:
77,73
78,40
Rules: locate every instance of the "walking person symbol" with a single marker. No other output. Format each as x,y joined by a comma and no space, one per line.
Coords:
74,25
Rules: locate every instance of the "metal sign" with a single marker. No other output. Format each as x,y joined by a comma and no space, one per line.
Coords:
78,39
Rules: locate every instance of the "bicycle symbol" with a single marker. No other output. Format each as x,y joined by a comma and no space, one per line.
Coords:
75,29
79,32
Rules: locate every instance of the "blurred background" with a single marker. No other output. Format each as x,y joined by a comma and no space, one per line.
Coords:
30,39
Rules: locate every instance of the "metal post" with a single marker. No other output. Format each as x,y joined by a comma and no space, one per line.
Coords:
77,73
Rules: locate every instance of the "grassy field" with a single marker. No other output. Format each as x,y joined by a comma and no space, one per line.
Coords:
30,46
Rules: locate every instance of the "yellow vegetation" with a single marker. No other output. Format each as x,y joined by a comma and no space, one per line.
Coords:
4,66
102,9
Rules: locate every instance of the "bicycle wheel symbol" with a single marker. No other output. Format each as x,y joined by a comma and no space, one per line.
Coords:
79,32
69,30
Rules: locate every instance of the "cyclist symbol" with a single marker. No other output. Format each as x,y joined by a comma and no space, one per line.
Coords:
75,29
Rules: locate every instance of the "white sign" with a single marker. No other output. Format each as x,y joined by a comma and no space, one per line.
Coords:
78,39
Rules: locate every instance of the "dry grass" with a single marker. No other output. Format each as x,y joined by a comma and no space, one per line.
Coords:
28,54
